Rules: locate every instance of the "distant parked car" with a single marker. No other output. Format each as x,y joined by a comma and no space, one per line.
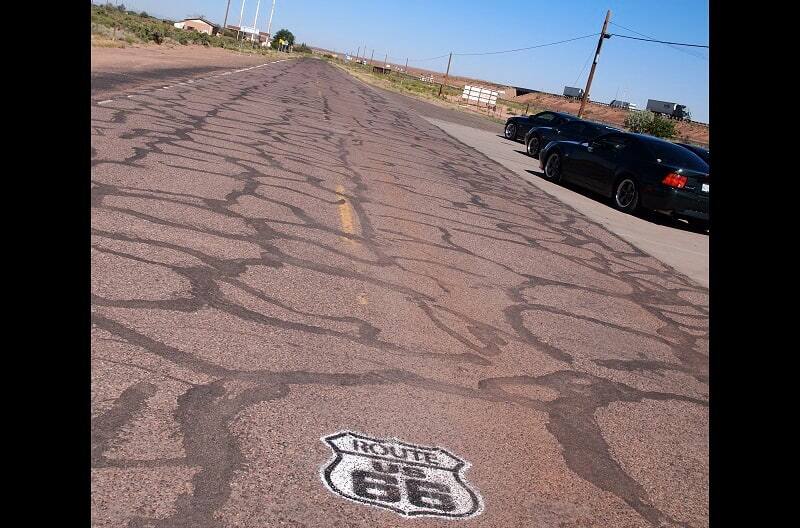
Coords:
576,130
635,171
517,126
700,151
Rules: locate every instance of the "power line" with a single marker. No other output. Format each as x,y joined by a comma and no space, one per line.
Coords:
585,64
661,41
430,58
527,48
688,52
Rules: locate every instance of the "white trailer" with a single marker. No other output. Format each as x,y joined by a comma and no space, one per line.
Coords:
674,110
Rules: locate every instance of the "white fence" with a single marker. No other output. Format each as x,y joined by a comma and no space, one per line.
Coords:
478,95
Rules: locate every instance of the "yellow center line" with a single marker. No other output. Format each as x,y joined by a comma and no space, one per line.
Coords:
346,218
346,215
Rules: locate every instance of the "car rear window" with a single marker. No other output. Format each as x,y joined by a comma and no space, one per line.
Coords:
703,153
675,155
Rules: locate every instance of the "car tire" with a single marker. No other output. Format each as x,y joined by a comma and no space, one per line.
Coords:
533,146
511,131
552,167
626,194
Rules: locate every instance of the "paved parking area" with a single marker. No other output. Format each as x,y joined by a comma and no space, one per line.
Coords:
670,241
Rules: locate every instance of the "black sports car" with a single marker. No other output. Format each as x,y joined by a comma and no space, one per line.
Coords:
576,130
518,126
700,151
634,170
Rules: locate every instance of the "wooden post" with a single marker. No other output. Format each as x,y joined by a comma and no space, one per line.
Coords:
594,63
446,74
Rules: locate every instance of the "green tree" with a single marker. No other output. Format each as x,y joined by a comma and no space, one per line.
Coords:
650,123
284,34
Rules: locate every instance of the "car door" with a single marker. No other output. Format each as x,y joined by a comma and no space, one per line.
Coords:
542,119
590,161
559,120
608,152
569,131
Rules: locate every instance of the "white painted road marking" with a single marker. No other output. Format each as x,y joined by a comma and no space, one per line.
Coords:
189,81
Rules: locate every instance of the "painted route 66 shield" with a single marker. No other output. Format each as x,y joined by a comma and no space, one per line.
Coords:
408,479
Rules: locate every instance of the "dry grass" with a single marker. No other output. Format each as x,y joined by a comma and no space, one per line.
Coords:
106,42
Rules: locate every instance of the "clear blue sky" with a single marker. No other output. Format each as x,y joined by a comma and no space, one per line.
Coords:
628,69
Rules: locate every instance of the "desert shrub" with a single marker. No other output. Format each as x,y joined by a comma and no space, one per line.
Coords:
302,48
650,123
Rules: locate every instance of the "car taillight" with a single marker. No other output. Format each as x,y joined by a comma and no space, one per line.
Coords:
675,180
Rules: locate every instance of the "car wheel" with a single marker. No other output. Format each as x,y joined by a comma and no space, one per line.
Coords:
552,169
626,195
511,131
533,146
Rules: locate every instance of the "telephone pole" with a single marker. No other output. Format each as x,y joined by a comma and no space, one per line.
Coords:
241,14
269,24
225,23
370,57
446,74
603,35
255,21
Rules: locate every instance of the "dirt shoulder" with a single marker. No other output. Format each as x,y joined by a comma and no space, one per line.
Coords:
535,102
114,70
428,106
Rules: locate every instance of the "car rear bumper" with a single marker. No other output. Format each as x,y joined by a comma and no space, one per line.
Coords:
678,202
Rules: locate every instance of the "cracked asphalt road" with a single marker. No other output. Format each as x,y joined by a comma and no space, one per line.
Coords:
283,253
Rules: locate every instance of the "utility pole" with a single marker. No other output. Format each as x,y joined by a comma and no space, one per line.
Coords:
386,58
255,21
446,74
603,35
269,25
358,51
225,23
241,15
372,55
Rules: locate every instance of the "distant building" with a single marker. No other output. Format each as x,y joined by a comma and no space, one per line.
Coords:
263,36
200,25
